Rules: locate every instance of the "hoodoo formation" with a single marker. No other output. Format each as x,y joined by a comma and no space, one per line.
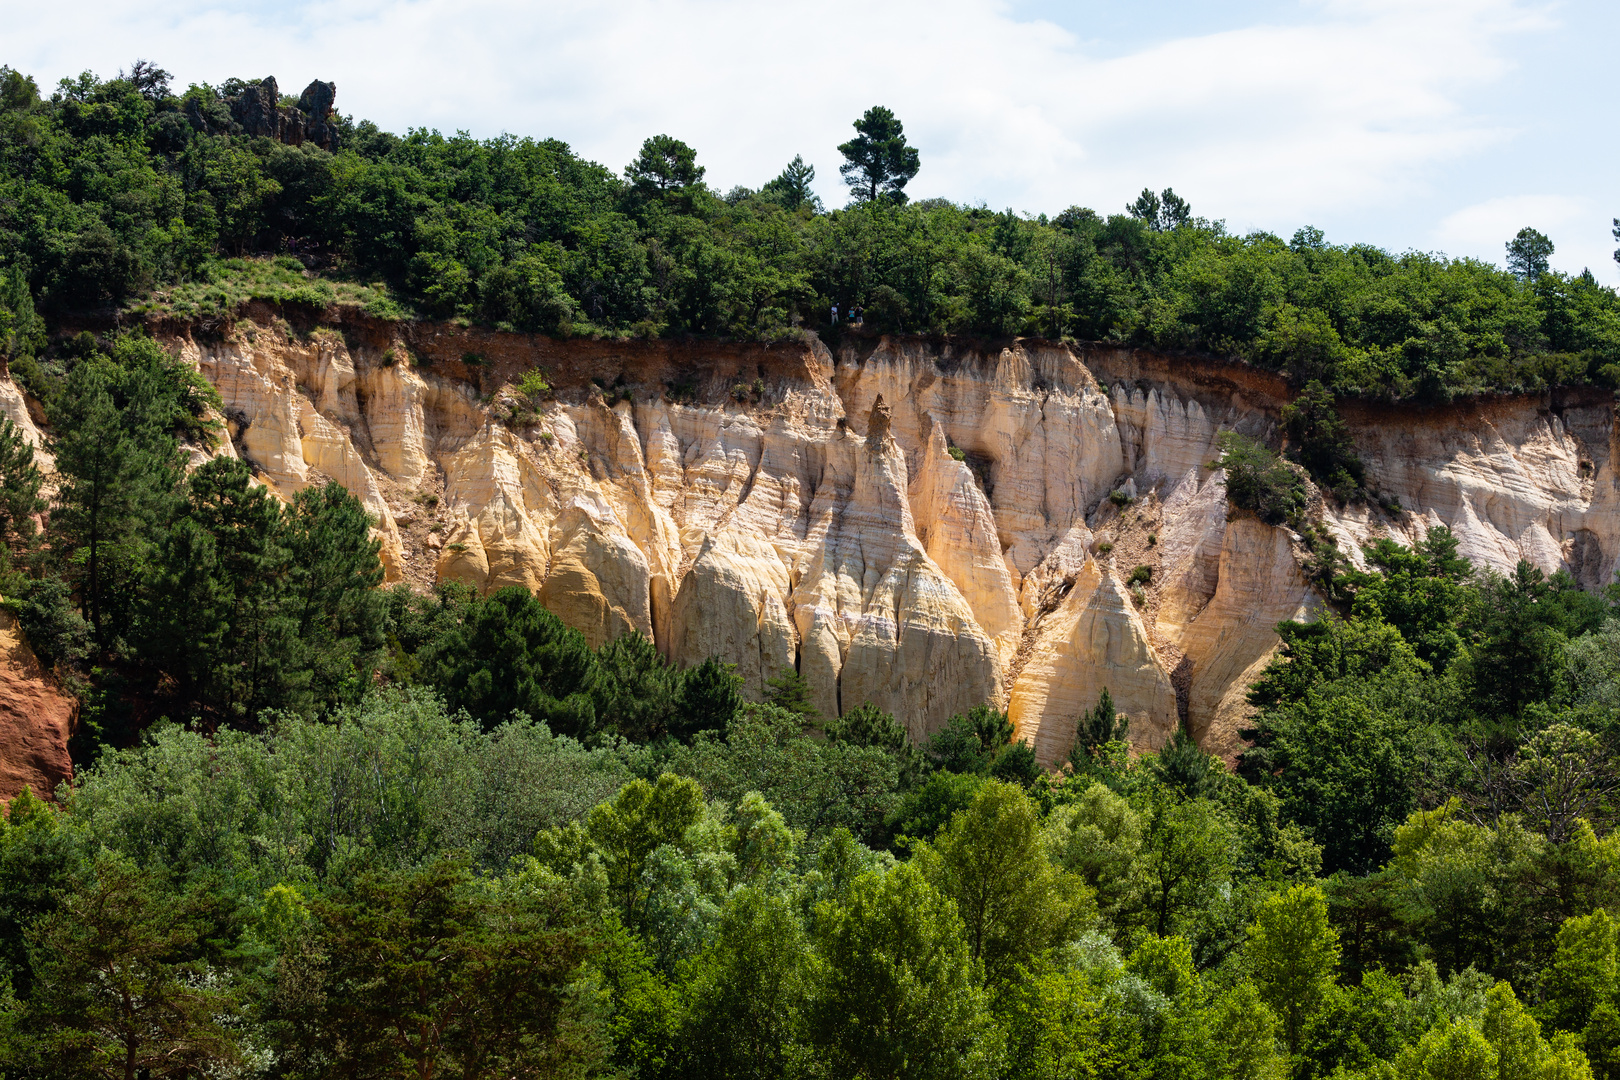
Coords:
923,526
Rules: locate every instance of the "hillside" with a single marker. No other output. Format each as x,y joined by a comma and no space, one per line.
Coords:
465,611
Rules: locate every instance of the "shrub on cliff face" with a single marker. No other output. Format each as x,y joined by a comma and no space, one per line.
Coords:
1260,482
1319,441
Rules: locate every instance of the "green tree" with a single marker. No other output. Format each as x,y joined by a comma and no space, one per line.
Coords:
634,689
1160,212
506,653
710,697
665,166
1058,1025
897,992
1186,857
1257,481
1527,254
1344,771
1294,952
1451,1051
1245,1047
992,860
20,502
745,993
792,188
1584,974
970,742
788,690
1521,657
430,972
1520,1050
234,179
214,609
40,860
637,821
1423,591
878,161
867,725
929,807
22,331
1356,1028
331,594
1183,767
119,469
1319,440
124,987
1099,837
1096,728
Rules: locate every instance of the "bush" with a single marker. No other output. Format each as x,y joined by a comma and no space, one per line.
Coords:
1319,441
957,453
1260,482
1120,498
1140,576
533,385
49,620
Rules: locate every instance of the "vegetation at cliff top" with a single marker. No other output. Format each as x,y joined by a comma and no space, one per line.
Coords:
127,193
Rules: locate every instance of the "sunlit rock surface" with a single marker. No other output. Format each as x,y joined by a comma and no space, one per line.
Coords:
923,526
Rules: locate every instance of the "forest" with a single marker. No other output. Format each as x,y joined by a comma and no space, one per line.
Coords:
125,195
324,828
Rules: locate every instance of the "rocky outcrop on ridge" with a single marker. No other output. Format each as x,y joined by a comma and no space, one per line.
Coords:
925,526
258,110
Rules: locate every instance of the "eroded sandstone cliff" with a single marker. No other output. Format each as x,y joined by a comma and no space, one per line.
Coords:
924,526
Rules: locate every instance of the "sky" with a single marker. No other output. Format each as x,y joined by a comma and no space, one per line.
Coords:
1439,125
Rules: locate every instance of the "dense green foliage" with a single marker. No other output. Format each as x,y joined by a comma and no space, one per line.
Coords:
126,192
589,863
397,889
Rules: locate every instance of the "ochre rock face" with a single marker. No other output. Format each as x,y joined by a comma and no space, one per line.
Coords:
922,526
36,718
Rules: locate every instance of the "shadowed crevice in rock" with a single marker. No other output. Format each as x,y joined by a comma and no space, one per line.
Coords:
1181,679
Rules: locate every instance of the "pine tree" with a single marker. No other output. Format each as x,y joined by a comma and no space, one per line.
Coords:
1095,728
124,987
332,600
708,699
119,470
789,691
878,161
1528,254
20,481
792,186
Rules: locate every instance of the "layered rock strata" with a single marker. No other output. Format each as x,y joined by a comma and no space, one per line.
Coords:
923,526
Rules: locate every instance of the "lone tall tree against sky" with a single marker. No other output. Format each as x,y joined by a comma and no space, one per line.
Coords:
1527,254
878,161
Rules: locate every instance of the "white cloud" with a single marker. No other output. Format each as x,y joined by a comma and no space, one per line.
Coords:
1356,104
1576,227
